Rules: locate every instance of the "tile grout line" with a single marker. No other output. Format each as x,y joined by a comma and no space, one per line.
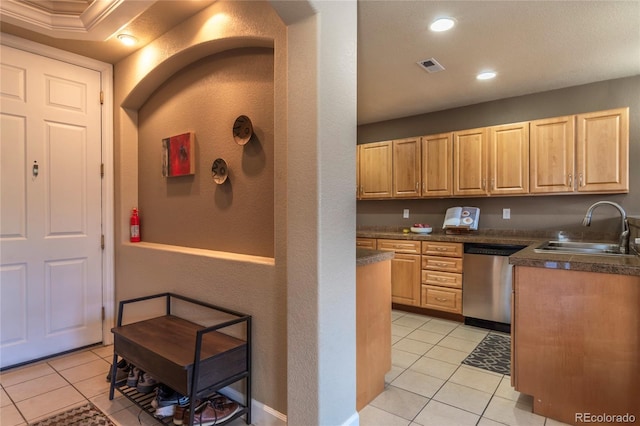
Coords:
459,366
429,399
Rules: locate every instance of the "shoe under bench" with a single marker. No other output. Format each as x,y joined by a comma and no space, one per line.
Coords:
193,359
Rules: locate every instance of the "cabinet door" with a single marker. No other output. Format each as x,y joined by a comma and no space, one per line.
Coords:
603,151
509,159
470,162
405,279
375,170
552,155
436,165
406,168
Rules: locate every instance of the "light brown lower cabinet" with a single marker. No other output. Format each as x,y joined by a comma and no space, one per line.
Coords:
576,343
368,243
442,276
405,270
373,330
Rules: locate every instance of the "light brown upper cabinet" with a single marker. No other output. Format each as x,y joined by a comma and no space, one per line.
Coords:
406,168
470,149
492,161
552,155
581,153
602,151
436,165
509,159
570,154
375,166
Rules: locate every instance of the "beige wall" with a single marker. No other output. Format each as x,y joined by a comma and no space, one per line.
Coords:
252,284
206,97
302,299
559,212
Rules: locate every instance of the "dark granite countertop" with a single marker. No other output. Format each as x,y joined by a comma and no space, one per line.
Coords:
368,256
622,265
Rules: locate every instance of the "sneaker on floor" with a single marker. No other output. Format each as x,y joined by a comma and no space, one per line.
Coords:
167,400
146,383
133,377
210,412
167,396
181,414
122,371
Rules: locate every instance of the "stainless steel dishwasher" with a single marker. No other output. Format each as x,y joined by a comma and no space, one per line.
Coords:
486,283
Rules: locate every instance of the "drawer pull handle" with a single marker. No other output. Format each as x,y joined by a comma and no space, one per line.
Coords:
442,264
440,299
442,248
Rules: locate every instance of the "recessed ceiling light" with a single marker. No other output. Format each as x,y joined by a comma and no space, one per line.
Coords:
127,39
442,24
487,75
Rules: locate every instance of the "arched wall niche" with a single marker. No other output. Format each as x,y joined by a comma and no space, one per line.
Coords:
159,74
177,96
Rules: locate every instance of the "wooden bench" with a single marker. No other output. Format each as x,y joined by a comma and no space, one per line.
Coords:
190,358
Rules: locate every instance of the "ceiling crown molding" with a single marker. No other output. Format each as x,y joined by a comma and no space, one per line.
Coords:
98,22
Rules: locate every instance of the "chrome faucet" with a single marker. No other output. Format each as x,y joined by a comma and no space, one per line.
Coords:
624,233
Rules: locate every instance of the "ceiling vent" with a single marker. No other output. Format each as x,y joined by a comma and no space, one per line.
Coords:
431,65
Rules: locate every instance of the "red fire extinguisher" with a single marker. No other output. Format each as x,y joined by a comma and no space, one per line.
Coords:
134,226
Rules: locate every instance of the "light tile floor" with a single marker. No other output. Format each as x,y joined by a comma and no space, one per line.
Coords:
426,386
40,390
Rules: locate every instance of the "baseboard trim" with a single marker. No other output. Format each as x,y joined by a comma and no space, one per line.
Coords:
261,414
354,420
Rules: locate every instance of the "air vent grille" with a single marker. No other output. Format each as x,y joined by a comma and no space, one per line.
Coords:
431,65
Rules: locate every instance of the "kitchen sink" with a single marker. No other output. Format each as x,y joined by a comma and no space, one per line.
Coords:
579,247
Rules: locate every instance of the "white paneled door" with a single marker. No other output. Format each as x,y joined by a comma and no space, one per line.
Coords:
50,207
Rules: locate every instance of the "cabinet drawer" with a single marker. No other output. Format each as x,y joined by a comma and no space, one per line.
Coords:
446,264
368,243
400,246
446,279
442,249
442,299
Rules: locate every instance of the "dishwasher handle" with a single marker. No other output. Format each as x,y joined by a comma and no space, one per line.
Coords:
492,249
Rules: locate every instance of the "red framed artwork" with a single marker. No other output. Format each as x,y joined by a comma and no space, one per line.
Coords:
178,155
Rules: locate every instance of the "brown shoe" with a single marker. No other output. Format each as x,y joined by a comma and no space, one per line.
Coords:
209,413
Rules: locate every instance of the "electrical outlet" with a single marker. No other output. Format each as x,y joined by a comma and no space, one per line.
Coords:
506,213
405,213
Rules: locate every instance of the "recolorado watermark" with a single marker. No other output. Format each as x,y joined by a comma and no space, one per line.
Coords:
605,418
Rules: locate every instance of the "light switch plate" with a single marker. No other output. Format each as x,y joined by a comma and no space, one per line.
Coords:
405,213
506,213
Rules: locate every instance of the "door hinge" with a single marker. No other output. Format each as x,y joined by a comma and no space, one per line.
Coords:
102,241
101,170
101,97
103,314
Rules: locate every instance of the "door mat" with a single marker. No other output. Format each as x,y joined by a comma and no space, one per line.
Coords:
493,353
85,415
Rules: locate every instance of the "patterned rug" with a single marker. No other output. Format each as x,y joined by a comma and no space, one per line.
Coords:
85,415
493,354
